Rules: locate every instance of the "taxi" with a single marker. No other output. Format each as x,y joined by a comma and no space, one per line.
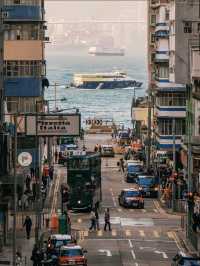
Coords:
56,241
72,255
131,198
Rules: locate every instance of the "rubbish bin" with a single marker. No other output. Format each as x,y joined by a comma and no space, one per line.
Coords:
63,224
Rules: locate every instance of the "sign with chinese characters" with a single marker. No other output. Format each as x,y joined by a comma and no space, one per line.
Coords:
54,125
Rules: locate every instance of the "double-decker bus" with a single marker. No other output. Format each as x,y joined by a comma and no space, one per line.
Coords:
84,181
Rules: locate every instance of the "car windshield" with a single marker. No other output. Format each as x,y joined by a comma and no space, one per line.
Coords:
134,168
72,252
124,135
146,181
190,262
132,193
62,242
107,148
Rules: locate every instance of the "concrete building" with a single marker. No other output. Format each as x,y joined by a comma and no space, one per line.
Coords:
22,83
170,32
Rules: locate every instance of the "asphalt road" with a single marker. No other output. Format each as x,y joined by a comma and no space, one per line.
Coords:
138,237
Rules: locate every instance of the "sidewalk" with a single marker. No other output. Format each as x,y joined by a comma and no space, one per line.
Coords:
22,244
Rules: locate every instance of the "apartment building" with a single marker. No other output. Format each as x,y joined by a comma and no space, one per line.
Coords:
170,33
23,79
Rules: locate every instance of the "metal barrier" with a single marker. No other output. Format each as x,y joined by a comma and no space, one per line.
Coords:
180,206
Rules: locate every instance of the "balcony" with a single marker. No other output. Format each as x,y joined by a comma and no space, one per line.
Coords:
162,26
196,89
165,142
161,56
23,50
155,3
170,111
12,13
23,87
162,34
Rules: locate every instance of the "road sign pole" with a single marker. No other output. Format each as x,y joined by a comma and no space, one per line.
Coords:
15,191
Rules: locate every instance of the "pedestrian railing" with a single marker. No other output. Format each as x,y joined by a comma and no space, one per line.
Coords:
180,205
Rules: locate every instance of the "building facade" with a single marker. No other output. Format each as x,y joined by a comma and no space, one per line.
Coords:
170,33
22,82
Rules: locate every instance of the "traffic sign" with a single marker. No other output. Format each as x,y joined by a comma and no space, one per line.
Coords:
24,158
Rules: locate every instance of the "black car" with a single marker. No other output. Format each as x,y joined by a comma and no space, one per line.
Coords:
131,197
148,185
182,259
132,172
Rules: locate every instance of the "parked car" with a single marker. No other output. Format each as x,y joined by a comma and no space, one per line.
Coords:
182,259
72,255
132,170
123,138
131,197
148,185
107,151
56,241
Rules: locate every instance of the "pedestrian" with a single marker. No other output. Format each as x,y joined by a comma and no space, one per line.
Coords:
32,172
51,171
28,225
97,218
195,218
100,148
56,156
93,221
122,164
35,257
107,220
95,148
28,183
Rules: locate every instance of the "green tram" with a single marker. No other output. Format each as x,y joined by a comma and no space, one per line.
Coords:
84,181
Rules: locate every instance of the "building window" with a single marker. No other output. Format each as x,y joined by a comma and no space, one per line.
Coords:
166,14
163,72
152,38
171,99
198,27
165,126
153,19
24,68
187,27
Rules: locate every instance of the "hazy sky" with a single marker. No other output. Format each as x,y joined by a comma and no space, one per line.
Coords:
135,37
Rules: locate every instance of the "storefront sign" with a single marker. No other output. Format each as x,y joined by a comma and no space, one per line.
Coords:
54,125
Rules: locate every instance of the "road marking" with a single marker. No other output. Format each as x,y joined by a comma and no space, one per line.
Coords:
114,233
130,210
133,254
130,243
161,252
170,235
106,251
155,210
119,210
132,239
100,233
128,233
136,264
156,234
142,233
143,210
177,241
113,198
157,205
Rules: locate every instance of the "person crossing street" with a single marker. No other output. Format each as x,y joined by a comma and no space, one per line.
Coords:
107,220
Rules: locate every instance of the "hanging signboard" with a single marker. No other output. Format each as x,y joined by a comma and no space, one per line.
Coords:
54,125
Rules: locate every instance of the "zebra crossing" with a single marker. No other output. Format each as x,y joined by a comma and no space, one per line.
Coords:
140,234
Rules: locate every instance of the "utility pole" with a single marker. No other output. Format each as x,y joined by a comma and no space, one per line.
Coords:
174,164
15,191
55,95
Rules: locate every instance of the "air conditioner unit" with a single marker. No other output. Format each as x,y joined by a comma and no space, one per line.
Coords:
44,27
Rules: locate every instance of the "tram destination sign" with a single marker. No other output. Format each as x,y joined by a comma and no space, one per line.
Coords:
54,125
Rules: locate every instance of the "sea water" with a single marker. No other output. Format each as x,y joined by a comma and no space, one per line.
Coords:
111,104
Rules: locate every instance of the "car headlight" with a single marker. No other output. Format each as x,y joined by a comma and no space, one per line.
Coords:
79,201
156,188
140,188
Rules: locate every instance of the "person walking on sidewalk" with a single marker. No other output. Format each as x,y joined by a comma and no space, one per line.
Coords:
97,218
36,256
28,225
107,220
93,221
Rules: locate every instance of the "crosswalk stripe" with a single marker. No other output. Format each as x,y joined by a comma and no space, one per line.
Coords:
128,233
142,232
100,233
131,210
155,210
119,210
156,234
143,210
114,232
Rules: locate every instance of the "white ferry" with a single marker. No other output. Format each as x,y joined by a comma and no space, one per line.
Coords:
106,51
113,80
